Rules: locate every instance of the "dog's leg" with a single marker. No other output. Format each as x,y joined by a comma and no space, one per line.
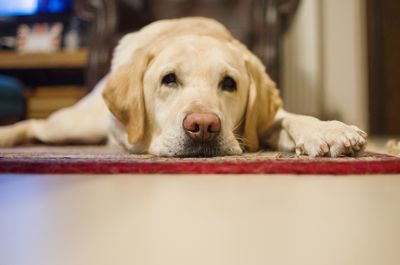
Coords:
85,122
18,133
310,136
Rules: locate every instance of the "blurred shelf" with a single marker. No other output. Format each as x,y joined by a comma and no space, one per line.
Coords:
42,101
60,59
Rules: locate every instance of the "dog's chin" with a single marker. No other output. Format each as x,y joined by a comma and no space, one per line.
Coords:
201,149
185,147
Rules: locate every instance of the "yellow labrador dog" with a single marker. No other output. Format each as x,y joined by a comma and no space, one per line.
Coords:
186,87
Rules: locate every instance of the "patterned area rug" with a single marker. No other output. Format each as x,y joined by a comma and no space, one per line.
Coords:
105,160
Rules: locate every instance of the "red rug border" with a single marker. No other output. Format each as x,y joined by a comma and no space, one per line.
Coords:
270,166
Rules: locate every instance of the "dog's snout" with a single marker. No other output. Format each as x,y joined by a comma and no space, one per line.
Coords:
202,127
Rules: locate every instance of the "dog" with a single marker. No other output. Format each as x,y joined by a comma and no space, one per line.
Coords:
187,88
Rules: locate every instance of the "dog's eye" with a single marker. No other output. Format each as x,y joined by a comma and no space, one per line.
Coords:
169,79
228,84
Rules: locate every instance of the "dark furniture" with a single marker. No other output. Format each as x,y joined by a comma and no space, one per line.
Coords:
50,81
258,23
383,24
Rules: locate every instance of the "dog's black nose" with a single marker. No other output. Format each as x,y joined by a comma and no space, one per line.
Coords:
202,127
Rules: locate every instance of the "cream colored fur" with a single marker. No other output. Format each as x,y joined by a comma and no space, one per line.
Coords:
134,109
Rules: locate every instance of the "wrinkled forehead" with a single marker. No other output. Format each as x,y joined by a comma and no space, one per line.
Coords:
200,53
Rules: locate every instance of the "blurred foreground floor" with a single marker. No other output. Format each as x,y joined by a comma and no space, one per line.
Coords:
199,219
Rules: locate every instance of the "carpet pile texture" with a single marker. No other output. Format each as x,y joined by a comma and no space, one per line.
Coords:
108,160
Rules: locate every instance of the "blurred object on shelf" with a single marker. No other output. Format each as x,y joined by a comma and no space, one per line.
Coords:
72,38
12,102
40,37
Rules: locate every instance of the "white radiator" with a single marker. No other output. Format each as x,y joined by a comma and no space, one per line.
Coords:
323,71
301,72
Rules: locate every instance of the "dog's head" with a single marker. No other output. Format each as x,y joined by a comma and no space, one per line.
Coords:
193,96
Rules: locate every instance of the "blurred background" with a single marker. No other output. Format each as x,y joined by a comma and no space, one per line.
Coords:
334,59
331,59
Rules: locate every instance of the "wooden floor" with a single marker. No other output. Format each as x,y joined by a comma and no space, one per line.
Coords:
199,219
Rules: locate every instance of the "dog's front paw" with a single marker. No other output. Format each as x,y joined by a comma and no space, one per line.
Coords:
331,138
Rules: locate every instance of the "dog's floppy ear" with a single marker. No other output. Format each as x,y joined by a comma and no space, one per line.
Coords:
124,95
262,105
